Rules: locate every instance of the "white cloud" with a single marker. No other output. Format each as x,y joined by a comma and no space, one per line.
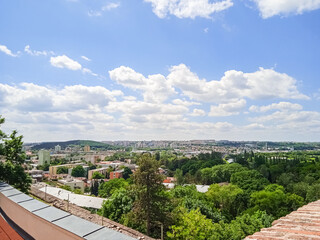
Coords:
198,112
88,71
188,8
227,109
104,8
34,98
31,52
289,117
234,85
184,102
284,106
269,8
7,51
85,58
255,126
155,87
65,62
110,6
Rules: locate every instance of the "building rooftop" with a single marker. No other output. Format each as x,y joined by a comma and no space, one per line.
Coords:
77,199
62,219
301,224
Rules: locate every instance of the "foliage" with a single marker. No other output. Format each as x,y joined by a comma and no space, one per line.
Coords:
220,173
94,188
228,198
108,188
62,170
78,171
97,175
150,206
179,177
242,226
191,199
250,180
191,225
11,170
275,201
126,173
120,203
313,193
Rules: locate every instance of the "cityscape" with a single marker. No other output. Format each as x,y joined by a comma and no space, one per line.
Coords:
159,119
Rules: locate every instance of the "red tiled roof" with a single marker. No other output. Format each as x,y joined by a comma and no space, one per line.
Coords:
7,232
301,224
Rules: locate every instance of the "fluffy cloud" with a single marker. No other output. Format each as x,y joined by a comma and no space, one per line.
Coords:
234,85
31,52
198,112
227,109
188,8
285,117
7,51
155,87
269,8
284,106
65,62
30,97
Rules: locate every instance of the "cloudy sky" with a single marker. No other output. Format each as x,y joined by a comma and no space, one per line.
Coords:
161,69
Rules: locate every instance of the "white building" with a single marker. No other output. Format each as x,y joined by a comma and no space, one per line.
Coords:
44,157
72,183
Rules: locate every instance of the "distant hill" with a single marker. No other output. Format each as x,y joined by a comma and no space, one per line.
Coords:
73,143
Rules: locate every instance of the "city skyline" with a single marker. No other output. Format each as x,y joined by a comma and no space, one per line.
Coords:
161,70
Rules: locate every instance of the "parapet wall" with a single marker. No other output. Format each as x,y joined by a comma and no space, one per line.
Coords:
42,221
301,224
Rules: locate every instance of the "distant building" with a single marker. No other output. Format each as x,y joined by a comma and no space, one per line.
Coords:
86,148
103,171
116,174
53,169
44,157
72,183
57,148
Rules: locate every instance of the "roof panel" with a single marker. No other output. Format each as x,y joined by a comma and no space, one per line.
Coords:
77,225
108,234
33,205
20,198
5,188
11,192
50,214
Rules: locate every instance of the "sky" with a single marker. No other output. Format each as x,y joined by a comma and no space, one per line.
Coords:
160,69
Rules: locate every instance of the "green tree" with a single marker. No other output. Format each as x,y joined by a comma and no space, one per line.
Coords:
275,201
94,188
150,206
119,204
179,177
97,175
78,171
228,198
108,188
62,170
11,170
242,226
220,173
313,193
126,172
191,225
250,180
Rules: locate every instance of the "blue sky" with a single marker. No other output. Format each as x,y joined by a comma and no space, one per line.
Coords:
161,69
